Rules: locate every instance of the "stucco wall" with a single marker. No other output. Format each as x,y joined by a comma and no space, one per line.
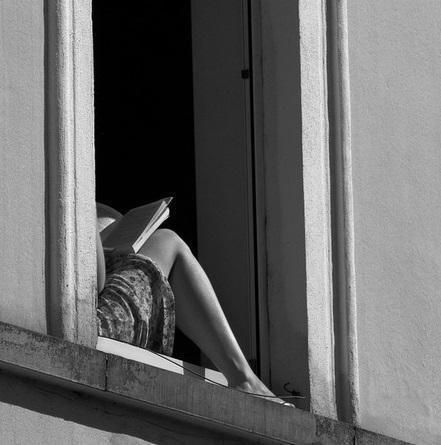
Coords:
22,163
395,72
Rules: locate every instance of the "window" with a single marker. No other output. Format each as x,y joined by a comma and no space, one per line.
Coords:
286,102
157,66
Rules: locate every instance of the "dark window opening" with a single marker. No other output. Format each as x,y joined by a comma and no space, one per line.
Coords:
174,117
144,136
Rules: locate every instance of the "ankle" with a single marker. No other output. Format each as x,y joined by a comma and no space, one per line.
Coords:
256,387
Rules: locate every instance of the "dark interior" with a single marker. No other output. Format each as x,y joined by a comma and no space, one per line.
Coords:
144,113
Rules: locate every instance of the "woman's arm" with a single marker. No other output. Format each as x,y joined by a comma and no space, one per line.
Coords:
101,264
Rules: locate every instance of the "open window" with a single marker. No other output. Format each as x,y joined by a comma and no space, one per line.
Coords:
179,106
173,117
266,117
144,114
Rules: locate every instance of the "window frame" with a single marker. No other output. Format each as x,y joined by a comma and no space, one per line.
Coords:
71,175
313,77
317,199
71,212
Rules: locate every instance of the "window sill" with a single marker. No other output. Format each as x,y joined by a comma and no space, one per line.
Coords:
171,364
156,390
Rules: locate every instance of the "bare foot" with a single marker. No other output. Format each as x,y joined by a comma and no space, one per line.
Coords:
256,387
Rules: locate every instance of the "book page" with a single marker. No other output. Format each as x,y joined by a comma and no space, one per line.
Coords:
135,224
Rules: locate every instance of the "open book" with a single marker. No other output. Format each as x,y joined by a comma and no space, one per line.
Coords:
134,228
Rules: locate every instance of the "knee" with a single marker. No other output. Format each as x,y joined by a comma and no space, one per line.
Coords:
171,241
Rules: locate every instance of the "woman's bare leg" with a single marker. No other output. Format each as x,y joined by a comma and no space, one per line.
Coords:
198,312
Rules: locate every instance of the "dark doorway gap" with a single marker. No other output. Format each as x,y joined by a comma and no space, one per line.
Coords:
144,134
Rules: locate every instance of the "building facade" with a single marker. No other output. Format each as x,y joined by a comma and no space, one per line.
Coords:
344,102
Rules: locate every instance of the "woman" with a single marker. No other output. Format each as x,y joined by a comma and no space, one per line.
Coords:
166,258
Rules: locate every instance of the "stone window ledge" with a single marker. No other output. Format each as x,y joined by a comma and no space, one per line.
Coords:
182,397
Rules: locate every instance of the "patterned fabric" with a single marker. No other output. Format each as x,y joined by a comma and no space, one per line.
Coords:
137,304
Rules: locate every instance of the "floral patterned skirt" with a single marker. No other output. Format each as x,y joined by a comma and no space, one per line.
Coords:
137,304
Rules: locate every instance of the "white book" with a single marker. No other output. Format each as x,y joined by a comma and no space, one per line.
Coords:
130,232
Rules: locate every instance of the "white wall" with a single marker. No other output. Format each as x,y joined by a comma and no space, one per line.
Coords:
395,72
22,282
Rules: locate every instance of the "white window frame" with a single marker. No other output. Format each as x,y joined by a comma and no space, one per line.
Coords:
317,199
71,179
71,213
